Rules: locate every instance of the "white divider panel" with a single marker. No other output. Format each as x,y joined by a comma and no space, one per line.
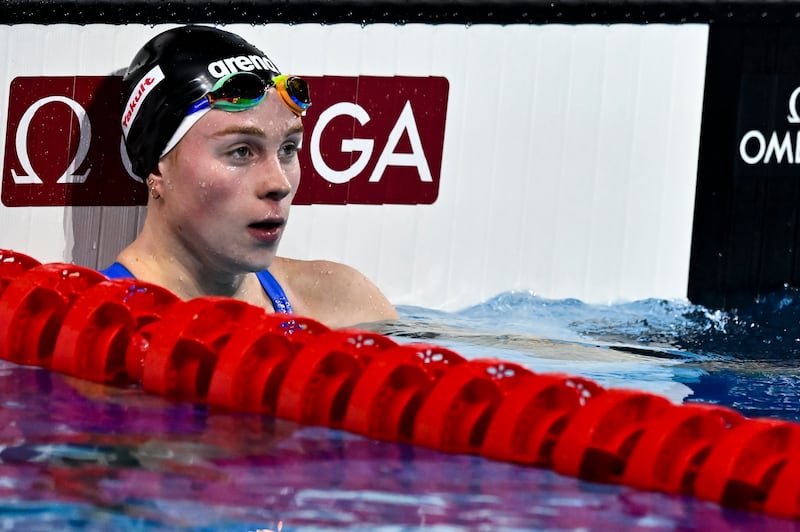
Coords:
569,158
569,162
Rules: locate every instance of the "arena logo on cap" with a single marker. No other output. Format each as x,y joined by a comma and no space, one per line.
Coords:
147,84
240,63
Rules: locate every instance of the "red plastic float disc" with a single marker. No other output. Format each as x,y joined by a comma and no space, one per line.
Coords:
318,383
600,437
183,347
743,465
298,329
389,392
32,307
670,451
99,326
436,359
530,418
457,411
784,496
251,367
12,264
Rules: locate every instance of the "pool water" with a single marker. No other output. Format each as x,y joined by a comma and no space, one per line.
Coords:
748,359
80,456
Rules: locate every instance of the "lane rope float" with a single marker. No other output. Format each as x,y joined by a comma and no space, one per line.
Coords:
236,356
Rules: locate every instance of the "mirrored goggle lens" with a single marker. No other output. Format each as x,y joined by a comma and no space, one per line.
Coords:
298,90
294,92
239,89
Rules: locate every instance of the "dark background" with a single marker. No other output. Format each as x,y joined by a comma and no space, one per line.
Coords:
745,232
396,11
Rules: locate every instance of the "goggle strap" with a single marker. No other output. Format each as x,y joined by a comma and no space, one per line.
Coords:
199,105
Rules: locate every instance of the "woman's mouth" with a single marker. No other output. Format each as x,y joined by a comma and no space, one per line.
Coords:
268,231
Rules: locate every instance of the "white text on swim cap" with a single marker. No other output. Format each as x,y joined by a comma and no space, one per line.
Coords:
147,84
240,63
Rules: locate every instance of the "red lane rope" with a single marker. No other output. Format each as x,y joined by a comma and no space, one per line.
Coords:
234,355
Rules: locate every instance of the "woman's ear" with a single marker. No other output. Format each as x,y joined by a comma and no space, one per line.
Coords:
155,183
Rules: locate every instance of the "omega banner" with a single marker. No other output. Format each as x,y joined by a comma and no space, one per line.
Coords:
368,140
746,230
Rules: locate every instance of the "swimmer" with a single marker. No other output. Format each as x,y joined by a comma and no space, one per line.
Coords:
213,128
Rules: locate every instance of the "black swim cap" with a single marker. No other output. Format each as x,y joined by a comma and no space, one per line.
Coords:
173,70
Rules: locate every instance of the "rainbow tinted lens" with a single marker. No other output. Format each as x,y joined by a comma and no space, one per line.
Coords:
242,90
294,92
237,91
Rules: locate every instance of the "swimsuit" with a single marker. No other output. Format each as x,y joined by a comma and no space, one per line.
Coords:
273,290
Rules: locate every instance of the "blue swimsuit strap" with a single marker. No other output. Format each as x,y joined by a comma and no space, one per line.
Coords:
271,286
117,271
275,292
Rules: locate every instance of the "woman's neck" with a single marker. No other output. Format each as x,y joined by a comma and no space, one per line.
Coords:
160,259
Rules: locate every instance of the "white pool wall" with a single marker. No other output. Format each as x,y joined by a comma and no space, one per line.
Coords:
568,169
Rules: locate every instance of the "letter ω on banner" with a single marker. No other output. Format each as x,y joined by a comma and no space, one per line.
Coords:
29,175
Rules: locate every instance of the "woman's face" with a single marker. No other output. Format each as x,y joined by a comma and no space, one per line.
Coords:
228,184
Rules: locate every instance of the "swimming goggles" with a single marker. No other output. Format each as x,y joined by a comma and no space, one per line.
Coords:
243,90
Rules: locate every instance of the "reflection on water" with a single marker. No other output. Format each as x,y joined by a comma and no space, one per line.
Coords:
75,455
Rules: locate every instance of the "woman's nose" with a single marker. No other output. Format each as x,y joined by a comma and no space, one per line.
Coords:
274,183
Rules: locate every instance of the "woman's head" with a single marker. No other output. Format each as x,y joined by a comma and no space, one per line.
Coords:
214,129
171,72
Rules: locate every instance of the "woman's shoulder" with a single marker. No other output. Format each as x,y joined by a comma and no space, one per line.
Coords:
321,279
333,292
303,272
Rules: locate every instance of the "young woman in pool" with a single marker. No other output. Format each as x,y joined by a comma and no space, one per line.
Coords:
214,130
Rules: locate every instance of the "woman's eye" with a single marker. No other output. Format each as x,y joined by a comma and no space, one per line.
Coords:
241,152
289,149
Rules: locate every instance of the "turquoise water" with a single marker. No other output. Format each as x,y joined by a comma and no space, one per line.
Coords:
79,456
